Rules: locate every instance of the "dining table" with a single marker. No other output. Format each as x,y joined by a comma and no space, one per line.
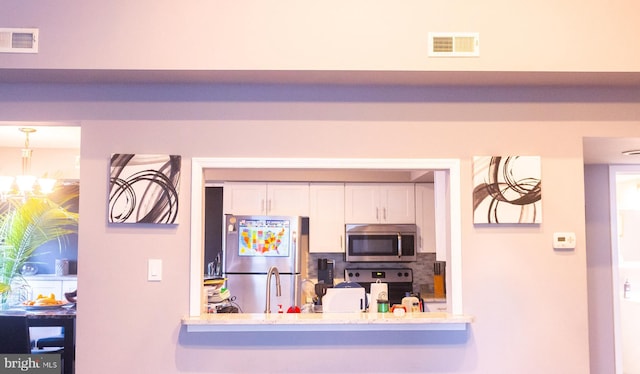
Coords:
63,316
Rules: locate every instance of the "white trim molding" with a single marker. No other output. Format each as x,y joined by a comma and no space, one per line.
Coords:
198,166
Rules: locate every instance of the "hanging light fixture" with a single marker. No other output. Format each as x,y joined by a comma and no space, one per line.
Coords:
25,184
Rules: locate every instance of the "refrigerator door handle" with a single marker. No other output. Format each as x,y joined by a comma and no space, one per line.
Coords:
294,251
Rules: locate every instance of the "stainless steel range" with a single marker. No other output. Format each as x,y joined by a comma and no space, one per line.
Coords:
399,280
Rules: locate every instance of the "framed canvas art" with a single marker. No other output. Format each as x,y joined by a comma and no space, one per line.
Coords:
144,188
507,189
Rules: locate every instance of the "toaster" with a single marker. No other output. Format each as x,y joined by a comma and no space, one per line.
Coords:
344,300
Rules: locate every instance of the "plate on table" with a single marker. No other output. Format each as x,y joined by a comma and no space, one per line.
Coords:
45,307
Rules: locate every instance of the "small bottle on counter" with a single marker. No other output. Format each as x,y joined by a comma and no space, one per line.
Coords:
411,304
383,305
627,289
308,292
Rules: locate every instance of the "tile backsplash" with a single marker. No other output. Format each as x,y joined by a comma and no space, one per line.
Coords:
422,268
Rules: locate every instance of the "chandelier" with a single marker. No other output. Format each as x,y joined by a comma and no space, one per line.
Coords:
25,185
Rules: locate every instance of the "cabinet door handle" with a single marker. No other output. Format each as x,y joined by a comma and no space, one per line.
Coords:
341,242
377,218
269,206
384,214
262,205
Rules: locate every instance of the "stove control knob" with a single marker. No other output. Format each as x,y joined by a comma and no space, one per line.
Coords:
357,274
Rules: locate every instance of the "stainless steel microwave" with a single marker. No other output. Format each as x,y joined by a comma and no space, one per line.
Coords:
380,243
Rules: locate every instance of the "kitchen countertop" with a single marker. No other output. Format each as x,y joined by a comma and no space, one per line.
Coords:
422,321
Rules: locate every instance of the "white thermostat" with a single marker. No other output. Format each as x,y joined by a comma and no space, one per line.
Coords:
564,240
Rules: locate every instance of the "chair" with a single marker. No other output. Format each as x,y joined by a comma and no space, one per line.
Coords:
14,335
56,342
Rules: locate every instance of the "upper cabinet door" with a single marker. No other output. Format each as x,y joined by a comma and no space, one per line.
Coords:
245,198
426,217
273,199
398,202
326,218
362,203
288,199
380,203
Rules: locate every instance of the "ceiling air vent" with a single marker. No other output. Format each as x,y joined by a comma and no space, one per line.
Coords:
454,44
18,40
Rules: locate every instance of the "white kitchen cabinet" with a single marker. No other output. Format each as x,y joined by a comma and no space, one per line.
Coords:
244,198
274,199
426,217
380,203
50,284
45,288
442,202
288,199
326,218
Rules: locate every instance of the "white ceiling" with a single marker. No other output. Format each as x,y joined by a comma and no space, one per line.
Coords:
47,135
609,150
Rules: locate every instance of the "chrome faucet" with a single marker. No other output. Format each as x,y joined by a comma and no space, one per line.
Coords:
272,270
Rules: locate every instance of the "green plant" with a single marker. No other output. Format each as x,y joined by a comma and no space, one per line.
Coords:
25,226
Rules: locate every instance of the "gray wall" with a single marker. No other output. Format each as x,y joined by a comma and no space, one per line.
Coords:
519,290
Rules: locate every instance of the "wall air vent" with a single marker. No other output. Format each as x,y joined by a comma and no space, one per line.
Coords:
456,44
18,40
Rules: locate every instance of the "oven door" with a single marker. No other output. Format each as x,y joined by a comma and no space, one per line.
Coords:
381,247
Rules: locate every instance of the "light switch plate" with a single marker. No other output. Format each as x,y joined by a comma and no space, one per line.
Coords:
154,271
564,240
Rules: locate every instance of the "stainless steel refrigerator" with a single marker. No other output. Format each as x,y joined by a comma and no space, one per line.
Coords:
252,245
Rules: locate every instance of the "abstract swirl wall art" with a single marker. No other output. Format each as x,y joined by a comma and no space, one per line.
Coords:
507,189
144,188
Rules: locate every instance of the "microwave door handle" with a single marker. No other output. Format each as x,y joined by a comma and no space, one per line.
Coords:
399,245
